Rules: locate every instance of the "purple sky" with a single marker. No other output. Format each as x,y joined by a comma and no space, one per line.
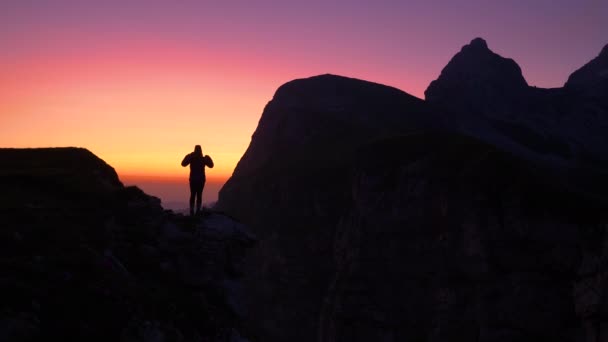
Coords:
406,43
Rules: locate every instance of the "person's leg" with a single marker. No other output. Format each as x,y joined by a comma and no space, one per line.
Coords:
199,196
192,194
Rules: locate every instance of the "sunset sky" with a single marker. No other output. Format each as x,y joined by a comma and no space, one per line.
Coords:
139,83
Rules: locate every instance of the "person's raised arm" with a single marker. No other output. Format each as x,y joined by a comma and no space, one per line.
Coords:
186,160
209,161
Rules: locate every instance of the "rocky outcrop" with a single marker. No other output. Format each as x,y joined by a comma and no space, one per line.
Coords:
479,214
84,258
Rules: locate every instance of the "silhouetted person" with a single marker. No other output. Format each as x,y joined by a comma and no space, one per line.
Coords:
197,163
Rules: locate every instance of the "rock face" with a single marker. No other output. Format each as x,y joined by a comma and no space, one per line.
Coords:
479,214
84,258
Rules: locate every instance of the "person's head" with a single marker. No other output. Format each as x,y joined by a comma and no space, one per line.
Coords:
198,150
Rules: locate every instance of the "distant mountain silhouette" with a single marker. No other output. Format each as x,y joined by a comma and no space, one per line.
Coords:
468,216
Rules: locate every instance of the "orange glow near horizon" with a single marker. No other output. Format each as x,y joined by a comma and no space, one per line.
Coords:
140,84
141,119
140,115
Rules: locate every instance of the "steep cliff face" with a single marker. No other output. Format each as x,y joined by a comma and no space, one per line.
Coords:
84,258
290,184
305,114
479,215
310,126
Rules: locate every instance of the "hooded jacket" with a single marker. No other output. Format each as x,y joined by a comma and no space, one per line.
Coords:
197,165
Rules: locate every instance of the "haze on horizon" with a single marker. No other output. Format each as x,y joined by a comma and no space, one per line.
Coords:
140,84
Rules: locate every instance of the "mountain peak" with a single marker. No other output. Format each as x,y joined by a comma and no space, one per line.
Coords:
477,43
476,74
325,85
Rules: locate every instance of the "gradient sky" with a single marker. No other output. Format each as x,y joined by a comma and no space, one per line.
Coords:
140,83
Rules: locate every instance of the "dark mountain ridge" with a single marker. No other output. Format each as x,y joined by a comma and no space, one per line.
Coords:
485,95
468,216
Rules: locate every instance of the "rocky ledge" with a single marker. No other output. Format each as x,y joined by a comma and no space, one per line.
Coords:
85,258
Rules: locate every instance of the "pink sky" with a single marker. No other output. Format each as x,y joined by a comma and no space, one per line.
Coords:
140,83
